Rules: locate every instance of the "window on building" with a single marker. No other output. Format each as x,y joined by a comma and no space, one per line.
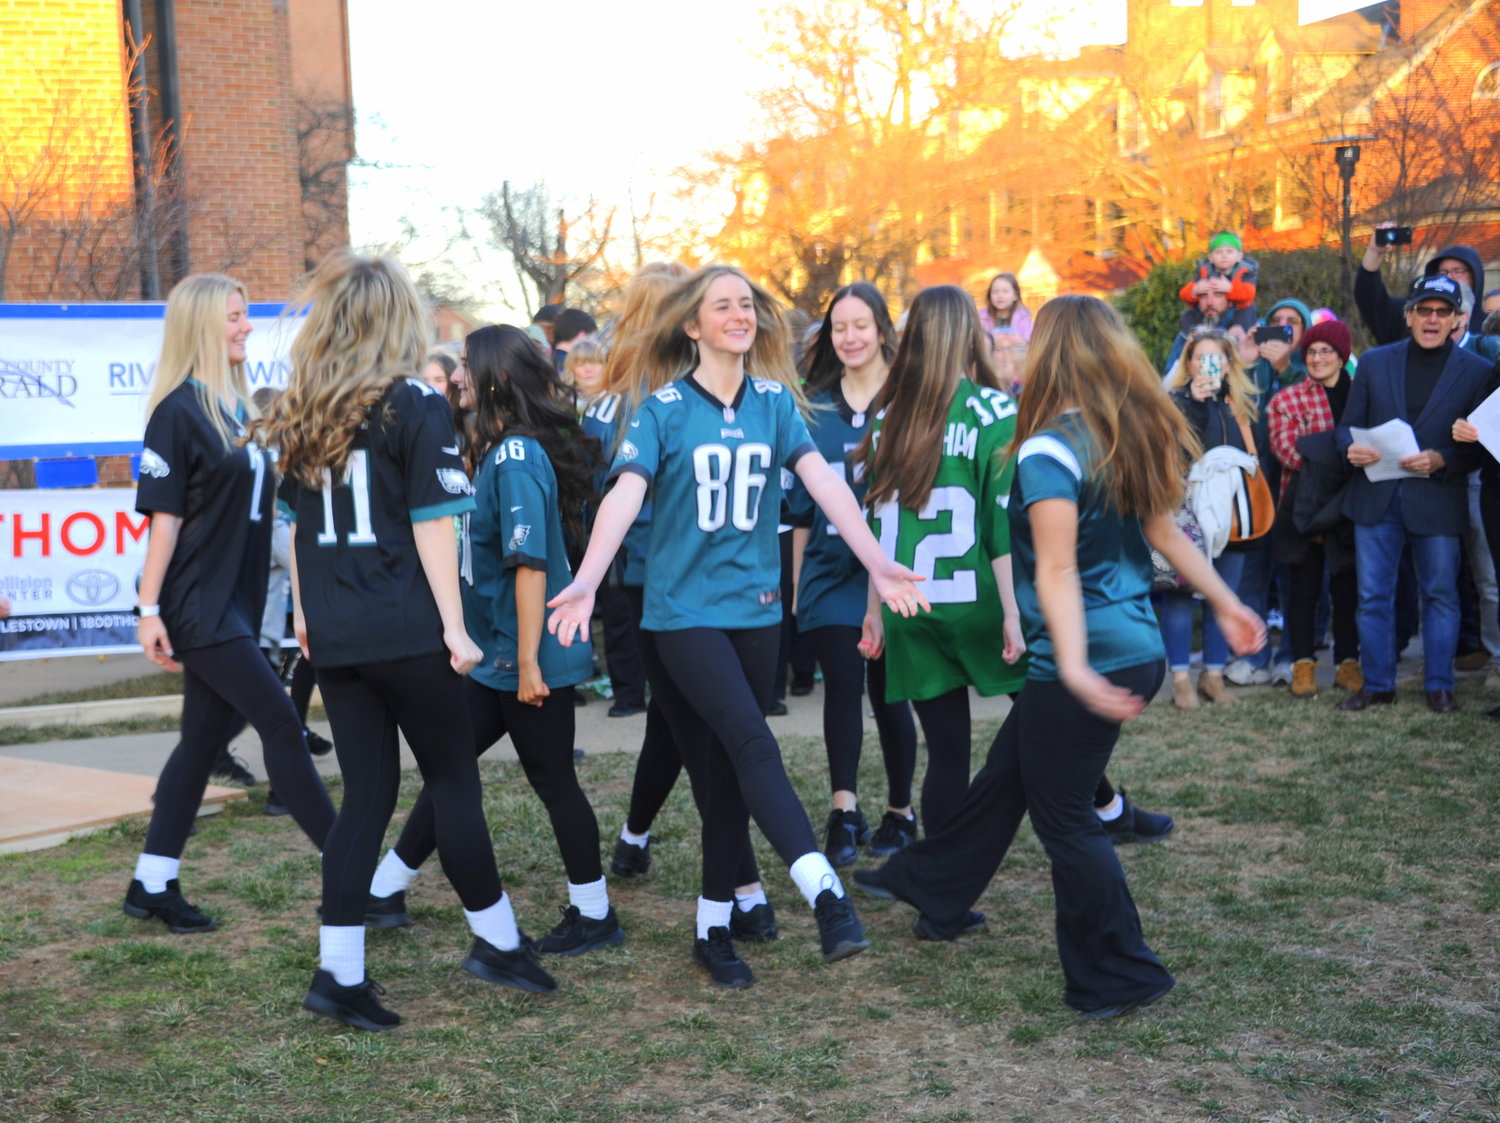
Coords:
1488,83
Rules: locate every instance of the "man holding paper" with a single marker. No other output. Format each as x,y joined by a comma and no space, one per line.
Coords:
1413,487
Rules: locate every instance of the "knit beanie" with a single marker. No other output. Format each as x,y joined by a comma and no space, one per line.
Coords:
1334,333
1224,238
1296,306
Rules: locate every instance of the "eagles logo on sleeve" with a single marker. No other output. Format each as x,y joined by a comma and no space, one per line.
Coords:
153,465
519,535
454,481
628,451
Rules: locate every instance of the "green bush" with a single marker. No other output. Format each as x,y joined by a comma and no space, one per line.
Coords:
1152,308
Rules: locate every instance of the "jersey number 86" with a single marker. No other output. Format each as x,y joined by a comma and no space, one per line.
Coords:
730,484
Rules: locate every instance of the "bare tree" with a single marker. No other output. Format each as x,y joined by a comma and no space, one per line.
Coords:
548,249
325,150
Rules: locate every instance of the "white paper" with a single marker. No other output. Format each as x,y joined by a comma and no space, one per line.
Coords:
1486,418
1395,441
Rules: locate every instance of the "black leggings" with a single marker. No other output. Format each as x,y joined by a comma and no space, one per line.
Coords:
425,699
218,683
543,738
1302,612
1047,760
946,727
844,676
713,685
303,681
662,760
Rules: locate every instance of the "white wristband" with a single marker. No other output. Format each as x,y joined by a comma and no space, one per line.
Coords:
146,610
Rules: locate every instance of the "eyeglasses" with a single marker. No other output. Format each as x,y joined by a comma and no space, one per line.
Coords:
1321,352
1456,272
1428,312
1206,333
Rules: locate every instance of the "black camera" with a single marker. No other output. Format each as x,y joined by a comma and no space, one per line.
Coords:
1274,333
1393,236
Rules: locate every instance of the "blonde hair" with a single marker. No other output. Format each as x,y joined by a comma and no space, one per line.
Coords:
942,344
584,351
1083,357
193,346
364,327
668,353
643,299
1239,390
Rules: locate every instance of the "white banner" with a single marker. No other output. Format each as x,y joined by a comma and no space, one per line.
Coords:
74,377
68,564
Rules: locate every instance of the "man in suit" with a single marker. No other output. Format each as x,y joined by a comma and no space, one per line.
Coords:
1428,382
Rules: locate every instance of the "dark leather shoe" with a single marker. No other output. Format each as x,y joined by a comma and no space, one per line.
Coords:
1364,699
1441,701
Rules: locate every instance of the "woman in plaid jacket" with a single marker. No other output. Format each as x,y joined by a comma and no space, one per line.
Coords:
1315,405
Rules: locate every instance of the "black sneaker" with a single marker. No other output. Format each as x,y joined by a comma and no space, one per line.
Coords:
843,835
776,709
358,1006
1118,1008
896,832
274,806
317,744
839,929
872,881
577,933
755,926
387,912
926,929
1135,825
169,905
717,956
516,968
627,709
802,686
232,769
630,860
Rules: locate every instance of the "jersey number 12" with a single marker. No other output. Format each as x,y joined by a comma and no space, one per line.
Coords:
962,587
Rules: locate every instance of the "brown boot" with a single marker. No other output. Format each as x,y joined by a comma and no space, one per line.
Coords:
1304,678
1349,677
1182,691
1211,688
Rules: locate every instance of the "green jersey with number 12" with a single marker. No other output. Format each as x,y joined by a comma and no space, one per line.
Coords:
952,542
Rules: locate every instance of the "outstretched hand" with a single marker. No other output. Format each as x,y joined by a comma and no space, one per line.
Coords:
897,587
1244,631
574,610
1101,697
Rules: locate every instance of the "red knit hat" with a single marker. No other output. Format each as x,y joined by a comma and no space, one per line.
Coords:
1335,333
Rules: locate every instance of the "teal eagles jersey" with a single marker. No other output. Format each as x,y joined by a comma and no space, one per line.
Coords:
363,589
1114,561
516,523
602,421
715,478
832,584
952,542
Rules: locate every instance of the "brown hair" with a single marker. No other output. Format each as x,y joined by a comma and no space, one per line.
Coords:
942,343
1082,356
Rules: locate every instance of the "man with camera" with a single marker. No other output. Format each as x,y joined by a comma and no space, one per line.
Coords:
1428,382
1384,314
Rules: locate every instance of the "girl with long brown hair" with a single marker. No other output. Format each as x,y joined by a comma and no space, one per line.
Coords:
1098,454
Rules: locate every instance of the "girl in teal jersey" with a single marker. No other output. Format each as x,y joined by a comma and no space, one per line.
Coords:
711,445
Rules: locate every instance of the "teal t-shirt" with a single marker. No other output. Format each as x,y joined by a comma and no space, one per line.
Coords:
1114,561
517,523
715,476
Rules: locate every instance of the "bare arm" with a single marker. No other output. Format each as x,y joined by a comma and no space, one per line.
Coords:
531,609
1245,631
299,620
438,549
150,632
800,536
1015,638
575,605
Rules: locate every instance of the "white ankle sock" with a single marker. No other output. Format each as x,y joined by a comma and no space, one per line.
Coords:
712,914
813,874
496,925
592,900
634,839
750,900
1115,809
342,953
391,876
154,871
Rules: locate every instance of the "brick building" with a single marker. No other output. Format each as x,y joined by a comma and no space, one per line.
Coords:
124,167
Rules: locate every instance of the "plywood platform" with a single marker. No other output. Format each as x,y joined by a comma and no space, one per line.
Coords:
43,804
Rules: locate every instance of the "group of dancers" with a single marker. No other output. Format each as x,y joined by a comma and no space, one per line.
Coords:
995,544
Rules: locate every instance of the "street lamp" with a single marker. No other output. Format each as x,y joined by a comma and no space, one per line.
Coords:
1346,156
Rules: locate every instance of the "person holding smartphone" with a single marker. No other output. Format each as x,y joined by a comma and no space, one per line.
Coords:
1215,394
1384,314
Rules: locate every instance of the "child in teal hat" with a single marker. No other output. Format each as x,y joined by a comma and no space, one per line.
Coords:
1226,269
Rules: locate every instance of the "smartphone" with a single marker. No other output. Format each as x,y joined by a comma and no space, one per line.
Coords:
1274,333
1393,236
1212,368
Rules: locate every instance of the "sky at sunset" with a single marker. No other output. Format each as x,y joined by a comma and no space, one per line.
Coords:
457,99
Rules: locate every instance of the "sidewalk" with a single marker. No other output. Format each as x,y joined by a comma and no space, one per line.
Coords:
55,789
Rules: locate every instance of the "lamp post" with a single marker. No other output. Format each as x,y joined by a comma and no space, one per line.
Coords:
1346,156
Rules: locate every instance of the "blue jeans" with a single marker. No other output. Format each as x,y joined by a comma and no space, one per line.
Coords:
1260,576
1174,613
1377,559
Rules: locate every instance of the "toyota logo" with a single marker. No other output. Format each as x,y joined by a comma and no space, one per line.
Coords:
93,587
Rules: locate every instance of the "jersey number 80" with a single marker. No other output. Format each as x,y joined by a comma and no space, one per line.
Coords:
730,484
